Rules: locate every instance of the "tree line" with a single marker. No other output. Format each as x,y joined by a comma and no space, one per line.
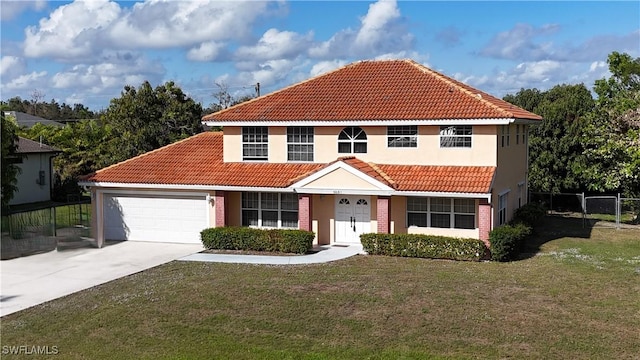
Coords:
587,143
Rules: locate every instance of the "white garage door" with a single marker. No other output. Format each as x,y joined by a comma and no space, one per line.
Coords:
159,218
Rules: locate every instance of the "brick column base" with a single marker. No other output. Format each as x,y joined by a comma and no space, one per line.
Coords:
220,204
304,212
484,221
383,214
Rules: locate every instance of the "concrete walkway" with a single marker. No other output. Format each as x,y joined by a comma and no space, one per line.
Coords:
325,253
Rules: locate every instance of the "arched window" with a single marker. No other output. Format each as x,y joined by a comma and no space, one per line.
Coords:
352,140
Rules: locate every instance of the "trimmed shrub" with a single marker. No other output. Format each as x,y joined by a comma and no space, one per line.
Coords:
529,214
250,239
423,246
506,241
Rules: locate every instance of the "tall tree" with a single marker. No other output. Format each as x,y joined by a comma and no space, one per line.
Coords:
145,118
612,139
556,151
10,170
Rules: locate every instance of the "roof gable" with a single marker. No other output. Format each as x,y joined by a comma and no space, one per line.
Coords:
374,91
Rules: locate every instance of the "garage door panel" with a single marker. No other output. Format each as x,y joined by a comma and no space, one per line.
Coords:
161,219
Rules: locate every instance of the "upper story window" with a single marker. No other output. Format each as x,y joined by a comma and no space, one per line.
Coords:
402,136
458,136
300,143
255,143
352,140
517,134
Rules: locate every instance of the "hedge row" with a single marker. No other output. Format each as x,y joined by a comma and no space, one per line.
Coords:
245,238
423,246
508,240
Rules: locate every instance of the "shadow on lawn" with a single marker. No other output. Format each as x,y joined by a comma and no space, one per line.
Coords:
553,227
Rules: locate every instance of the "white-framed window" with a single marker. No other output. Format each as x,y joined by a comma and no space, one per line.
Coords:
458,136
352,140
300,143
272,210
255,143
441,212
402,136
505,135
417,211
518,134
502,208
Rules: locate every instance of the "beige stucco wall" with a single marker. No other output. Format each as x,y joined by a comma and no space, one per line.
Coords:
428,152
398,215
234,208
512,169
323,218
232,146
460,233
340,179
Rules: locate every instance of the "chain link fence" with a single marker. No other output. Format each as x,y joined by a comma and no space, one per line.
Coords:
42,228
611,211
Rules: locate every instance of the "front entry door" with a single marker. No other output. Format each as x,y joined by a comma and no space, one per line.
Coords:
353,218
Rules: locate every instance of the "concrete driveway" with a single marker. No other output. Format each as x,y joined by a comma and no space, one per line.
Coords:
35,279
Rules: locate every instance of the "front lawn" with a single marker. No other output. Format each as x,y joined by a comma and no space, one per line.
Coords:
575,297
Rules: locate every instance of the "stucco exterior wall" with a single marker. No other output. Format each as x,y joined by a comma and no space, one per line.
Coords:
340,179
232,146
234,208
512,170
428,151
323,218
29,191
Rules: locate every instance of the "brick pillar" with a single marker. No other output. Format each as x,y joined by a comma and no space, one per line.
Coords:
383,214
304,212
484,221
220,203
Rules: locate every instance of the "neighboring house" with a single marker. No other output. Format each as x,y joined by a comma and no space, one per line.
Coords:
26,120
35,179
376,146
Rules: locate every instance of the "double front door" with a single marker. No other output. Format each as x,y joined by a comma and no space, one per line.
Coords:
353,217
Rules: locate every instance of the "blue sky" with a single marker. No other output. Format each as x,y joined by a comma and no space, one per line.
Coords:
86,52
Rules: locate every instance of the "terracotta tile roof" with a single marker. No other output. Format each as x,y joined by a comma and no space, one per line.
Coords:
198,161
467,179
374,90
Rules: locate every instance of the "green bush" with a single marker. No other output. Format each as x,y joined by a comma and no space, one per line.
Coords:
507,240
423,246
529,214
245,238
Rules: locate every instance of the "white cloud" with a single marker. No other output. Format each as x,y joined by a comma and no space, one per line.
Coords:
85,28
32,80
276,44
382,30
71,31
517,43
207,51
11,9
323,67
11,67
117,70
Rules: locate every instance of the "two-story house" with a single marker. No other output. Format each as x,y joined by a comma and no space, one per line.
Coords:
375,146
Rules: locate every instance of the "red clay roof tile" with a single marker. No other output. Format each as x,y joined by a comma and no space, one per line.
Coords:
374,90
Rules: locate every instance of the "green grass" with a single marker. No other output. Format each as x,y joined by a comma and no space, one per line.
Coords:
575,296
